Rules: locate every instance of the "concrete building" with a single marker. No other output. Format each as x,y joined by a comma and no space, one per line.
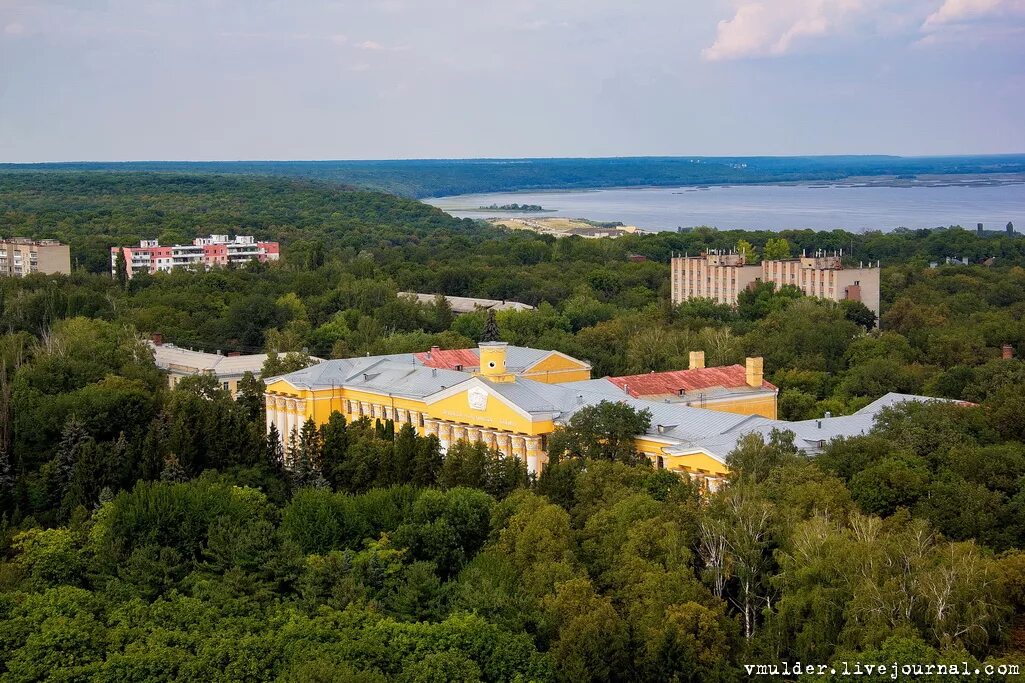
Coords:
179,363
20,257
722,277
466,304
215,250
492,403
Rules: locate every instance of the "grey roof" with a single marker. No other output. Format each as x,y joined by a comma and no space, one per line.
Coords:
809,435
173,358
715,432
466,304
389,376
892,399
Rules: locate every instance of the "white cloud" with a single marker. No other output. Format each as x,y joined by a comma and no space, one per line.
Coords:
760,28
370,45
963,11
14,29
765,28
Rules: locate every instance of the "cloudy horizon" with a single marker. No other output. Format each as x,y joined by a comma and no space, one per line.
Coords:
110,80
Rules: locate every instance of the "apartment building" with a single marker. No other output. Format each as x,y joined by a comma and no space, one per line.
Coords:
215,250
20,257
722,277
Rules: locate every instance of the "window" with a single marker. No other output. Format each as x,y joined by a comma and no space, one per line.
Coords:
224,385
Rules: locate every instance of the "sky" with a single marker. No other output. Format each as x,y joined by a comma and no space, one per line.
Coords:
112,80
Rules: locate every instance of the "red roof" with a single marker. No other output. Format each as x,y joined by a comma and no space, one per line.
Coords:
658,383
451,359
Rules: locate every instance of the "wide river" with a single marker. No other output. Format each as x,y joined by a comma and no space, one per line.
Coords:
770,207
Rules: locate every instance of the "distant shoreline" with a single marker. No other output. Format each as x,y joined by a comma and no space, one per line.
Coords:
925,180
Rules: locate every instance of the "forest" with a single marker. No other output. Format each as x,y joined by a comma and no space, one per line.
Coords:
150,533
421,178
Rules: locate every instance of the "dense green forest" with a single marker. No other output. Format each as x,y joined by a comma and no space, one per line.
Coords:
440,177
151,534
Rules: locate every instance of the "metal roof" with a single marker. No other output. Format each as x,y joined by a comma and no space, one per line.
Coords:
698,379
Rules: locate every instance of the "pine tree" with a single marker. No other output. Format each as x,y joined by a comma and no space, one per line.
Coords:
250,397
6,482
86,478
404,454
173,472
68,449
274,450
491,332
121,269
306,462
292,449
334,444
427,465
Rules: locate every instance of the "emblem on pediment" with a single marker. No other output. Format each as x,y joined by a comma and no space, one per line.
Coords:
478,398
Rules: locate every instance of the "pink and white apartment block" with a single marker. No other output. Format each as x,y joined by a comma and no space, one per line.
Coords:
215,250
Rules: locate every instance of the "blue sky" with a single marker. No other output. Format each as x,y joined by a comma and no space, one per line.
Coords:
348,79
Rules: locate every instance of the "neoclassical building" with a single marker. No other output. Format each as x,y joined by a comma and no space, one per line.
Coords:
492,398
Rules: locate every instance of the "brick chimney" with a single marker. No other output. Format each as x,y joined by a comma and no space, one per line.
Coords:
1007,352
697,360
754,372
158,339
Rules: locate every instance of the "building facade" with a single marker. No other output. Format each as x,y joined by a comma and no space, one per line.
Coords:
215,250
507,411
722,277
21,257
178,363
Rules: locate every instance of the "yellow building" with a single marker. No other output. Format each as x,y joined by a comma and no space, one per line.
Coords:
494,402
740,389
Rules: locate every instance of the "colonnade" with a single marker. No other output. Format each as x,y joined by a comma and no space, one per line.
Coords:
526,448
286,414
289,413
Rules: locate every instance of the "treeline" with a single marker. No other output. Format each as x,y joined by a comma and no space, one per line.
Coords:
315,221
441,177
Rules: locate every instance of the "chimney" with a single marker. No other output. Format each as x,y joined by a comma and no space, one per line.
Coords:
430,354
234,353
697,360
754,372
158,339
1007,352
219,353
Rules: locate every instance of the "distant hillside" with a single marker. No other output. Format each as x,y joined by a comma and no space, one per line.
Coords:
435,178
97,210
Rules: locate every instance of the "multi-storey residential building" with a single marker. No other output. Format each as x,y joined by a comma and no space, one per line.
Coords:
215,250
723,277
20,257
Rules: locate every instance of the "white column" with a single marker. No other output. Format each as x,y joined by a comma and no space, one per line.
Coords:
270,407
279,418
533,449
289,421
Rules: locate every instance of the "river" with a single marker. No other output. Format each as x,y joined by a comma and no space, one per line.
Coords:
851,205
